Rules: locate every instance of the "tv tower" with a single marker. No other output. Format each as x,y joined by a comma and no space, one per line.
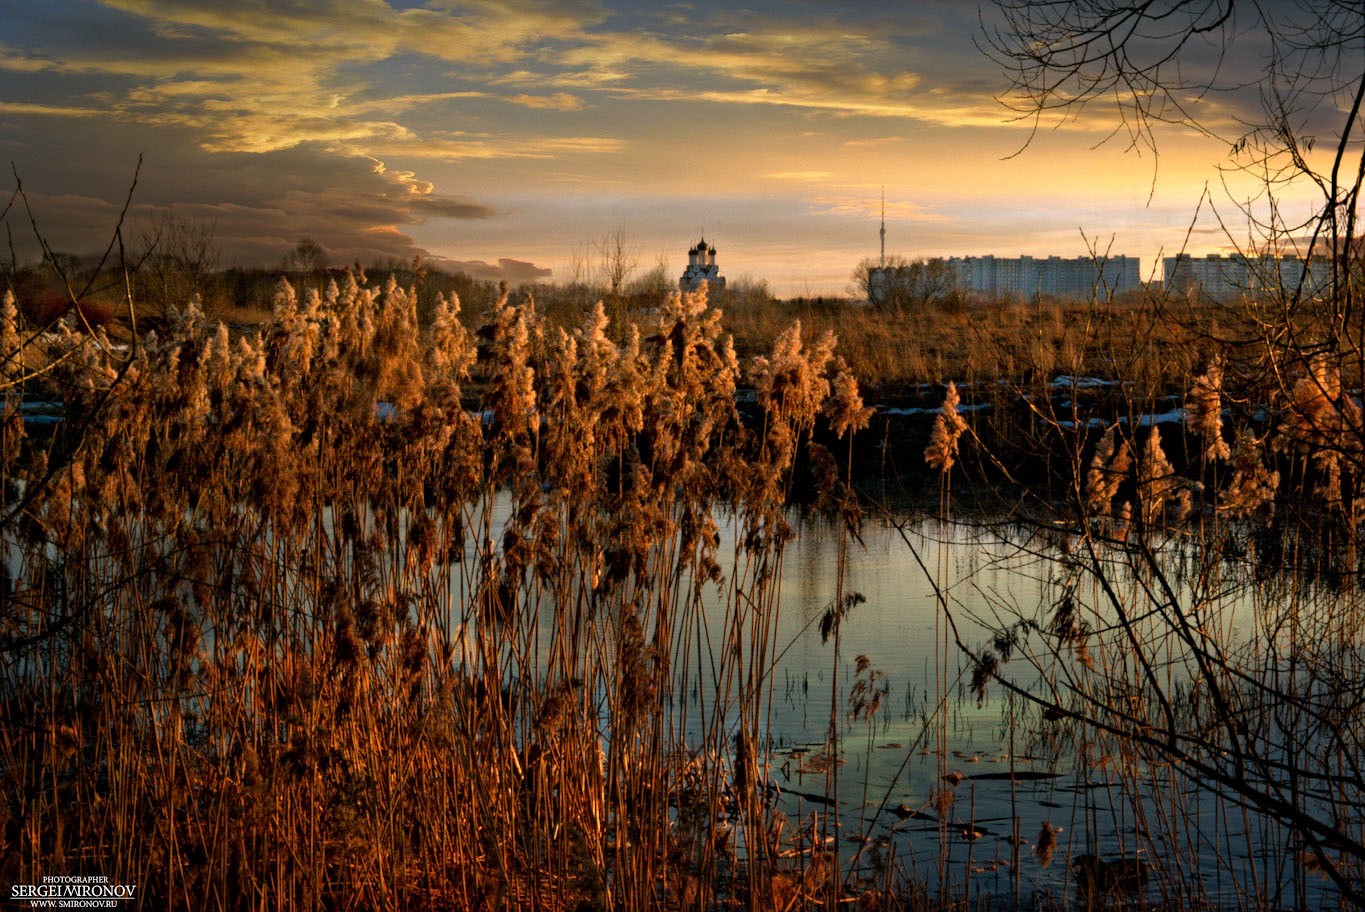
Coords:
883,232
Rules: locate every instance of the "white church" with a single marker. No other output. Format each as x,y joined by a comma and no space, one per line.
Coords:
701,267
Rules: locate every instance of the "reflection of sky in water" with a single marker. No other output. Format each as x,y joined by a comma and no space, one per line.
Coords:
1008,778
895,757
894,762
894,765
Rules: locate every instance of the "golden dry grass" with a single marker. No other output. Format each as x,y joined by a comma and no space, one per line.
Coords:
1150,345
285,618
363,607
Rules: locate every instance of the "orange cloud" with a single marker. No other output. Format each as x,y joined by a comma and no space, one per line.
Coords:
560,101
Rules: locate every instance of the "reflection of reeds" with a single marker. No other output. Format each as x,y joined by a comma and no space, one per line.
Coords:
289,620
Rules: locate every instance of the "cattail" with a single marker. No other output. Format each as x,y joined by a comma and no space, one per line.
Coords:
217,360
597,352
1313,422
948,427
284,302
511,394
869,687
1184,502
1322,424
942,801
1123,521
11,369
789,383
186,321
449,351
412,660
252,362
245,485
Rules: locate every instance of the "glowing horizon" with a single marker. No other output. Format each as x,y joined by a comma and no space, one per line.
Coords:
505,138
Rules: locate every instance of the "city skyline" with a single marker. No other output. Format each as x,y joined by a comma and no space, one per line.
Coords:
506,138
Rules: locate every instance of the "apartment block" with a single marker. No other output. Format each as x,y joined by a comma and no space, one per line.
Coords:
1047,277
1222,278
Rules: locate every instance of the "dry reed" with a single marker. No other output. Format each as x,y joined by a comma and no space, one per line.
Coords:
286,620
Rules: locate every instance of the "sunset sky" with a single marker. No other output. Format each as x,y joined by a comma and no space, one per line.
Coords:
505,137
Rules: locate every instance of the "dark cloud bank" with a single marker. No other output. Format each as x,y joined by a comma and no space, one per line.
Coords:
259,206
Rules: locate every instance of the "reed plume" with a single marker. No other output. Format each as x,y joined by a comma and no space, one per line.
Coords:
948,428
357,609
1204,411
1110,465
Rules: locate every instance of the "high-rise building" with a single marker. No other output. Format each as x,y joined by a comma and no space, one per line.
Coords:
1222,278
1081,278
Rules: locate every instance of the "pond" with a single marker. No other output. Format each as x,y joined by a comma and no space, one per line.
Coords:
959,790
991,796
874,745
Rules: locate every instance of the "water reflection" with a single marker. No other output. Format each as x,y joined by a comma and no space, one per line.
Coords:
965,794
959,791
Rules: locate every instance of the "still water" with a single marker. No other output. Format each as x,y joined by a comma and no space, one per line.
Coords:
957,790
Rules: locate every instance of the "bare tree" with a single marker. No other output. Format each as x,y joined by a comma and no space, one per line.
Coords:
652,287
308,257
578,275
902,284
1240,678
617,259
1281,83
179,260
1063,55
